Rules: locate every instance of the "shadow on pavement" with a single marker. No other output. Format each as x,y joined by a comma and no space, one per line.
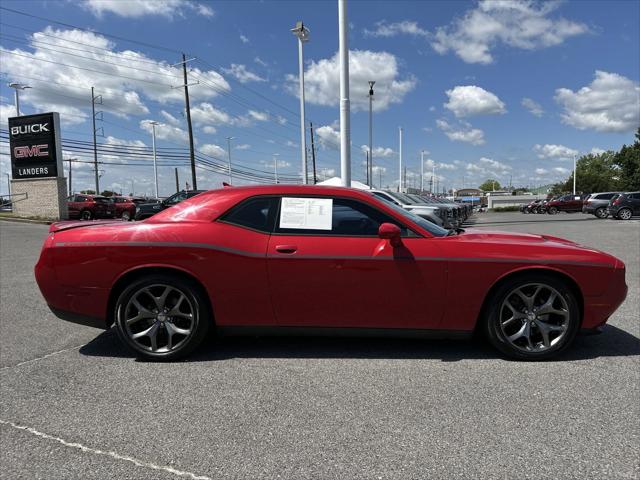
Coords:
613,342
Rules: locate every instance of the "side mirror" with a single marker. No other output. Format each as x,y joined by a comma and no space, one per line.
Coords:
390,232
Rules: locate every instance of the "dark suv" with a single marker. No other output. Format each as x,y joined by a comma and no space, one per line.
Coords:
87,207
597,203
566,203
625,205
146,210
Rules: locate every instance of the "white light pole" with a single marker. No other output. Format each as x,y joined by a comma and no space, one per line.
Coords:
275,165
153,124
229,158
400,160
18,86
302,33
422,171
345,106
574,174
371,84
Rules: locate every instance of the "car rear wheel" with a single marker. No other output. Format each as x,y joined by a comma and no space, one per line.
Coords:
162,317
553,210
126,215
601,212
86,215
534,318
625,214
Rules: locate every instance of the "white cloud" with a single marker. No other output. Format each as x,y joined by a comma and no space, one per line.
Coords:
328,137
141,8
259,116
469,100
244,39
206,114
541,171
213,150
123,79
463,133
129,143
559,152
241,73
611,103
291,144
430,164
166,132
170,118
379,152
210,130
520,24
261,62
494,164
533,107
597,151
561,170
322,80
243,146
406,27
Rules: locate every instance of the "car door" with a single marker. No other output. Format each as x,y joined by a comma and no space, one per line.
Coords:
341,274
634,200
72,206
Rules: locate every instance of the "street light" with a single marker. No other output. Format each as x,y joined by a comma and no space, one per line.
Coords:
18,86
229,158
302,33
153,124
422,171
370,172
275,165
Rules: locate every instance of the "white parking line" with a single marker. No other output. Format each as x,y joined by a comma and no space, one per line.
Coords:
117,456
43,357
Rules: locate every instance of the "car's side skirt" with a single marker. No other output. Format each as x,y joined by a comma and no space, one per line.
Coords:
261,331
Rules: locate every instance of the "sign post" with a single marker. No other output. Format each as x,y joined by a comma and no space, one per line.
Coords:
36,166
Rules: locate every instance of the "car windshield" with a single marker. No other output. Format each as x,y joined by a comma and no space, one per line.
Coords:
432,228
406,200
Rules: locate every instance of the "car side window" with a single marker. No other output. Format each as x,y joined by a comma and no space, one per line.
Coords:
349,218
255,213
178,197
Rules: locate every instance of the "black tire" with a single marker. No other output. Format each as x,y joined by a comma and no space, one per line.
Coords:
198,327
86,215
601,212
552,210
492,324
126,216
624,214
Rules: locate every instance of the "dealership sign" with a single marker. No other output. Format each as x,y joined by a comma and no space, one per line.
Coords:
35,146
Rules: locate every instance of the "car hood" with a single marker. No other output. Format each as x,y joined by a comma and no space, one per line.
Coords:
475,234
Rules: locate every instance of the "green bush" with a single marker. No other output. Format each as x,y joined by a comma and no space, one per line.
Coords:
512,208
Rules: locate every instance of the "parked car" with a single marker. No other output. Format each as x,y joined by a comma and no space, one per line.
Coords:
531,207
597,203
318,259
566,203
149,209
87,207
431,213
625,205
124,207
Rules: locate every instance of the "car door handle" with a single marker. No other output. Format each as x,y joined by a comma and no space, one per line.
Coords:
286,248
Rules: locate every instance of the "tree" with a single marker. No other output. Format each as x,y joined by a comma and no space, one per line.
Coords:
595,173
108,193
490,185
88,192
627,162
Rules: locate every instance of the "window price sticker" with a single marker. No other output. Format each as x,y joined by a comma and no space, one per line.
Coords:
306,213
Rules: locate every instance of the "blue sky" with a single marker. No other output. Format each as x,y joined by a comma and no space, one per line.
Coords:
490,89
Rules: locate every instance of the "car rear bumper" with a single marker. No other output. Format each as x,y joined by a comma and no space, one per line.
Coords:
79,318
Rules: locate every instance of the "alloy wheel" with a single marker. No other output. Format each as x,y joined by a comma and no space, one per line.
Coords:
601,212
126,216
159,318
534,317
86,215
625,214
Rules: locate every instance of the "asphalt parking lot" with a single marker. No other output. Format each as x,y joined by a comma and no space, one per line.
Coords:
75,404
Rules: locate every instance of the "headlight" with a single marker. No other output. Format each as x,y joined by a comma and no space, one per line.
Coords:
137,209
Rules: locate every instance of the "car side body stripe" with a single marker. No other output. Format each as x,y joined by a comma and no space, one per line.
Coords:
327,257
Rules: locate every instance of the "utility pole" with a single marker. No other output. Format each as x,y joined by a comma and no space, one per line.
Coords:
95,99
400,161
302,33
8,183
380,178
17,86
313,155
370,167
345,106
366,163
155,166
177,180
192,156
70,172
574,174
229,158
422,171
275,166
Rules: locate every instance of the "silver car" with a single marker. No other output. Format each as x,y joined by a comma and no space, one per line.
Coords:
429,212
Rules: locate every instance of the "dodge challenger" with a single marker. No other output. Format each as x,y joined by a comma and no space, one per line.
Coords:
289,259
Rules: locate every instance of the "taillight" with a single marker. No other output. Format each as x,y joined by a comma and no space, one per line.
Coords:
616,201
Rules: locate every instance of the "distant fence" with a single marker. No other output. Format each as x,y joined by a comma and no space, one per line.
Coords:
511,200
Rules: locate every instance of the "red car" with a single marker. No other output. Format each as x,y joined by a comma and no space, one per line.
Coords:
566,203
311,259
124,207
87,207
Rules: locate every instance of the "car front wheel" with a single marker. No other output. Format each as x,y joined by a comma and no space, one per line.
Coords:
162,317
126,216
86,215
553,210
624,214
534,318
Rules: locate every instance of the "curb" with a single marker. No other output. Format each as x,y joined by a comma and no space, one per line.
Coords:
26,220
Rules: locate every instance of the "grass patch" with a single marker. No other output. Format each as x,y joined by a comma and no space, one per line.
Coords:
511,208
